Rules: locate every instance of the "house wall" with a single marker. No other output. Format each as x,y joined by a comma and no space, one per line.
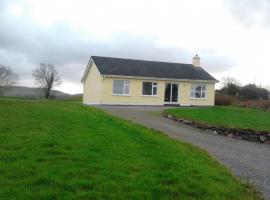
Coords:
136,97
92,86
186,100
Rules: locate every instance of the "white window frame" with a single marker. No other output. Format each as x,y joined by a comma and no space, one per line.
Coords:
152,90
193,91
126,84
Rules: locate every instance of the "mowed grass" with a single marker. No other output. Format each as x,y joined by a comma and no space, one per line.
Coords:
234,117
64,150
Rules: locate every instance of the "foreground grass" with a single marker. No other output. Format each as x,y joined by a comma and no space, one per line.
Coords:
234,117
63,150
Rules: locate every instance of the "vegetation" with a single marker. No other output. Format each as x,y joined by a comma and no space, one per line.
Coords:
47,77
7,78
258,104
231,87
251,91
223,100
233,117
63,150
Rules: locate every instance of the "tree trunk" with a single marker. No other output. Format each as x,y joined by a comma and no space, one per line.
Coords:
47,93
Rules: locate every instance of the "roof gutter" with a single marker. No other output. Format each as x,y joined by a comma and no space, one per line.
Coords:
161,79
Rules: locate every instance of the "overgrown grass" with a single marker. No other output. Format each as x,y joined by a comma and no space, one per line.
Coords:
233,117
63,150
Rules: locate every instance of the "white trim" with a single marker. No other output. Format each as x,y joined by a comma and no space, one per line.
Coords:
192,98
121,95
172,103
143,95
156,78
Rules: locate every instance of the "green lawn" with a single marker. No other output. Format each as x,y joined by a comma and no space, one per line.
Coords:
64,150
234,117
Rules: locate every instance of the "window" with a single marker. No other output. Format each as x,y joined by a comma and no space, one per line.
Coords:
121,87
198,91
149,88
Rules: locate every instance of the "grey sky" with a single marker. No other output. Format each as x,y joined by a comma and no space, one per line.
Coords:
250,12
66,33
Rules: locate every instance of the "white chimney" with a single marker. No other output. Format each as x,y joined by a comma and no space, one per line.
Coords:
196,61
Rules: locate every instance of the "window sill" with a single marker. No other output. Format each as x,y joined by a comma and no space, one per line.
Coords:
121,95
149,95
198,98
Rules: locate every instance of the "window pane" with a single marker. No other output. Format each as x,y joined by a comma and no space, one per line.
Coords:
167,96
147,88
192,91
203,94
127,82
192,94
198,88
118,86
197,94
154,90
198,91
203,87
126,89
174,92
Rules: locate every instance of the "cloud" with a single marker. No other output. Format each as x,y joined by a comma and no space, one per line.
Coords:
251,12
24,43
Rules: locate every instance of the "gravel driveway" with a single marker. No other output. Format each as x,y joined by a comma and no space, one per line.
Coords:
249,161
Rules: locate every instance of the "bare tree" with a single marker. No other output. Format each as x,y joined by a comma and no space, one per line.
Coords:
7,78
230,80
47,77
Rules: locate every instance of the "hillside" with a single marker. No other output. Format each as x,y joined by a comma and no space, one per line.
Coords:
20,91
64,150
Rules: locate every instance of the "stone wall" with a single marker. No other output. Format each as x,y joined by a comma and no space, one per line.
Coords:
244,134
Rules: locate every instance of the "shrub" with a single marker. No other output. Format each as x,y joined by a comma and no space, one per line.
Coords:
231,89
223,100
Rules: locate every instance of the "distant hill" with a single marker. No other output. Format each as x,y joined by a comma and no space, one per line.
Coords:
20,91
76,97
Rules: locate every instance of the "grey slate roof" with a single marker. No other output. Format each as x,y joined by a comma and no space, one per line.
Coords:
153,69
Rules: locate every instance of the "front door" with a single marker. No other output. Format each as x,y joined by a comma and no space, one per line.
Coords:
171,93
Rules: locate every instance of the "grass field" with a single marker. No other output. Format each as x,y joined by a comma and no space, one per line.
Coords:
64,150
234,117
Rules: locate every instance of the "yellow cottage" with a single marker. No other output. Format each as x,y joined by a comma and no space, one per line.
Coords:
118,81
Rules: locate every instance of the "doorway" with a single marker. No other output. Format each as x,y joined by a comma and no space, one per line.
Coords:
171,93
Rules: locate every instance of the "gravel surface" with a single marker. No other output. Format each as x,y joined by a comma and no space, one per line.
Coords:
247,160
